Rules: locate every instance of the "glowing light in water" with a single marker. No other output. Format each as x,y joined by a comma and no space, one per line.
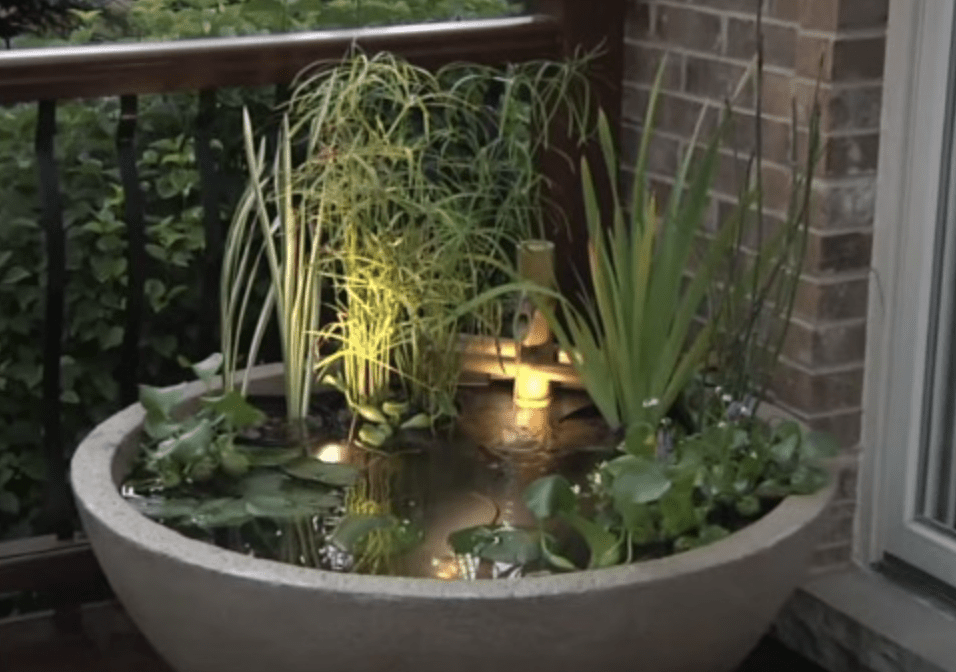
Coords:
332,452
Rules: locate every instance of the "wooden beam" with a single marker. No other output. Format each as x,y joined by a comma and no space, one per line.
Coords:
192,65
46,563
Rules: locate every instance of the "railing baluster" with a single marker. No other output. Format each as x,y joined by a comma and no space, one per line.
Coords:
212,259
57,516
136,247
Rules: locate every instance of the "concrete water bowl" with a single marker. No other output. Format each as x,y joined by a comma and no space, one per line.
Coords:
206,609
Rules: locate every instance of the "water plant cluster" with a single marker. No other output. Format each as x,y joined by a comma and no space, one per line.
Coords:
385,223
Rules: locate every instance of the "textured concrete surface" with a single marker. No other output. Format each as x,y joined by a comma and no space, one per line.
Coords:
105,640
858,621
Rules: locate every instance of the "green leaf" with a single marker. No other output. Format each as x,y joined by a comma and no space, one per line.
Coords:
772,488
605,547
467,541
9,503
395,409
15,275
354,528
207,369
371,414
160,429
160,401
260,483
272,7
820,445
498,544
374,435
234,463
549,496
419,421
163,508
224,512
189,446
678,514
553,558
512,546
748,506
237,411
111,337
807,479
269,457
641,481
712,533
310,469
784,450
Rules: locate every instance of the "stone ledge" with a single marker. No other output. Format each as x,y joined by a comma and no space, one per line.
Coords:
856,620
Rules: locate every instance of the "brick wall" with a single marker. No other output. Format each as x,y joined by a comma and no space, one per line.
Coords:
710,43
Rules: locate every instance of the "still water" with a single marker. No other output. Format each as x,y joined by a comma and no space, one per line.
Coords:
404,501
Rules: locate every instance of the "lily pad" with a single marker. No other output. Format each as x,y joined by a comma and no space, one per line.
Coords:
269,457
189,446
310,469
509,545
208,368
641,482
163,508
223,512
238,412
159,402
354,528
550,495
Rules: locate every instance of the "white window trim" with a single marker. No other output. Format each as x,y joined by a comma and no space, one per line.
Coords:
919,46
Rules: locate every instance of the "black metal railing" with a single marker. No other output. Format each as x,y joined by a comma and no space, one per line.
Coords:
126,71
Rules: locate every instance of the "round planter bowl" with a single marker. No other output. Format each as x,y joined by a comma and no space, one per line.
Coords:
205,609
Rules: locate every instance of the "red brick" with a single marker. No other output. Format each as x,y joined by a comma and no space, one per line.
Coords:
776,137
779,42
717,80
778,95
841,300
814,57
819,14
818,393
830,345
856,59
846,204
845,427
638,22
785,10
849,155
663,152
641,65
863,13
688,28
834,252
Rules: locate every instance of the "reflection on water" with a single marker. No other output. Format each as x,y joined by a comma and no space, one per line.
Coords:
437,484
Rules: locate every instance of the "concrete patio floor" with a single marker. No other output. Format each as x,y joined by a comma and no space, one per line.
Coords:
101,638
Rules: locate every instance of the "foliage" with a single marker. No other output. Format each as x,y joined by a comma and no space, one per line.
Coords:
408,197
644,343
96,267
176,19
37,17
634,507
633,344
